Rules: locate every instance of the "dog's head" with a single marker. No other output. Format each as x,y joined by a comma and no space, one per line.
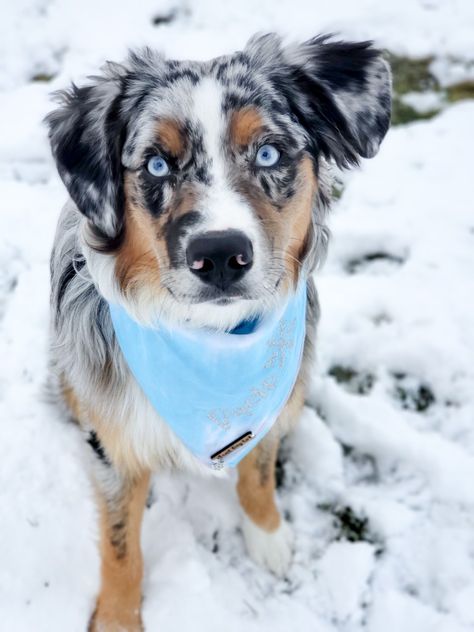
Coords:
204,183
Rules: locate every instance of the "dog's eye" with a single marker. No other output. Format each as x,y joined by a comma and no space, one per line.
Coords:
158,166
267,156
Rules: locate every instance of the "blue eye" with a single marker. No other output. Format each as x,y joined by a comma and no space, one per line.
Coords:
158,166
267,156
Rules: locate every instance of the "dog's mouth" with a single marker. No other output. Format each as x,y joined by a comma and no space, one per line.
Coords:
225,300
221,297
214,296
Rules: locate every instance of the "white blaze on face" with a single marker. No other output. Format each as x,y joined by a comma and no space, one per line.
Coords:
223,208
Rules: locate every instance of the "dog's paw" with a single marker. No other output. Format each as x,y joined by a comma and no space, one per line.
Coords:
108,623
272,550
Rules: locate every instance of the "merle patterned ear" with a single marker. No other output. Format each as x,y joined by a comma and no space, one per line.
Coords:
341,93
86,135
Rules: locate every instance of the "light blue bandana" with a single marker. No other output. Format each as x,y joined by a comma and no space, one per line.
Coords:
220,392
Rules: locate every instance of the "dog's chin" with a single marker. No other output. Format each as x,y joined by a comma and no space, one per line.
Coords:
217,309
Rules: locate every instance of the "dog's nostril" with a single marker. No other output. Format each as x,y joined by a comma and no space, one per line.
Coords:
198,264
237,262
203,265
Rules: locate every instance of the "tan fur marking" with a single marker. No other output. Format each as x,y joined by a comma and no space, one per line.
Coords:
143,252
287,226
124,458
136,261
71,401
256,485
298,216
171,137
119,601
291,412
245,125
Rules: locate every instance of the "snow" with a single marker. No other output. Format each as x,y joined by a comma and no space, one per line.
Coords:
424,101
394,441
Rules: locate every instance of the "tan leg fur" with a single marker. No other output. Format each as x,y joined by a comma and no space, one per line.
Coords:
119,601
256,485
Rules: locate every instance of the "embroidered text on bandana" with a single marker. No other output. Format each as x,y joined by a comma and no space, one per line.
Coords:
220,392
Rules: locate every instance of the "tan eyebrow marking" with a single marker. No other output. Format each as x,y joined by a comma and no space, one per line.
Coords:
245,124
170,134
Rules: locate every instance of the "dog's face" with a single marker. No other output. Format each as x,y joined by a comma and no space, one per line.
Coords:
204,183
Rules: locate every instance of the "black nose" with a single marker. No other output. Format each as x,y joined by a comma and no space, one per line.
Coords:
220,258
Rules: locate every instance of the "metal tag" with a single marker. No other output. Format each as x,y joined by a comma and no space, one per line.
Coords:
231,447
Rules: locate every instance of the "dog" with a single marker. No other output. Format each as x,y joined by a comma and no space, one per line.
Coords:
198,197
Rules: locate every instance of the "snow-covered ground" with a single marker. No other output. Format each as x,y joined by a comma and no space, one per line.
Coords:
378,480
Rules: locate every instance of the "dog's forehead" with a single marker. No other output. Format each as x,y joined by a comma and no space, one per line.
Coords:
200,98
207,114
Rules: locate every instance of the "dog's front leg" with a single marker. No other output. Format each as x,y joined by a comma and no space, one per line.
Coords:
268,537
121,500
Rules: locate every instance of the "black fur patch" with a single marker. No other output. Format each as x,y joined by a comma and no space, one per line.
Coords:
341,95
118,535
175,230
96,445
87,136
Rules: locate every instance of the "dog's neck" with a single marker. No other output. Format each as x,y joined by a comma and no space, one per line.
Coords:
220,392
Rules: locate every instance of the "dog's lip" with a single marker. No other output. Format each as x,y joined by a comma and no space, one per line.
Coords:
225,300
215,297
221,297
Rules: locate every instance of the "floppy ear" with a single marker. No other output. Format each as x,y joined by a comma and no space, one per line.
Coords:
340,92
86,134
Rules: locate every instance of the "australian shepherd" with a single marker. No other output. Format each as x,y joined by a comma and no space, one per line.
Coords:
198,195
